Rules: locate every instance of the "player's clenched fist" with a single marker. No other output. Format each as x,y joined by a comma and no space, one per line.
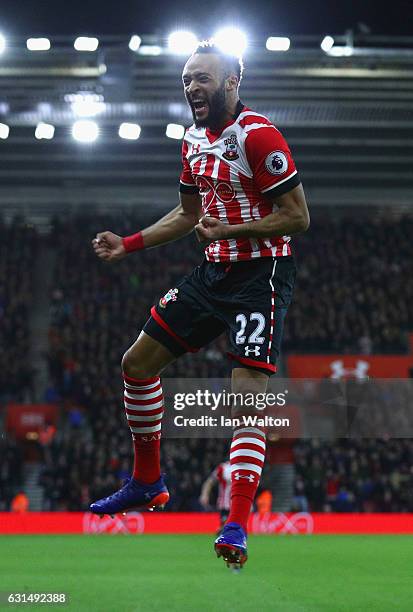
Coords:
210,229
109,246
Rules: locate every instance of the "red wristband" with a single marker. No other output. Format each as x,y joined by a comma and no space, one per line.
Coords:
133,242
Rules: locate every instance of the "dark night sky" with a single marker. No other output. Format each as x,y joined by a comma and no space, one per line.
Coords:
258,17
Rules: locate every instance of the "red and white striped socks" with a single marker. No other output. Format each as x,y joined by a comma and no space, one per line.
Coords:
144,409
247,456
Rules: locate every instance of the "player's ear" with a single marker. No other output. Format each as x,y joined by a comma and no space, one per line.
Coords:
231,82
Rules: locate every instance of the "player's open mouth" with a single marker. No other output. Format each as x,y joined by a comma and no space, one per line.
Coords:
200,106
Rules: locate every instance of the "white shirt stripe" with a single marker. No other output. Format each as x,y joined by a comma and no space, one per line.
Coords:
257,126
249,113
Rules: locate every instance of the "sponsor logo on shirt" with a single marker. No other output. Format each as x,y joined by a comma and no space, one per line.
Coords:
211,189
276,163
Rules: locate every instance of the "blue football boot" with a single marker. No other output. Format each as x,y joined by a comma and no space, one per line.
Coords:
231,544
133,495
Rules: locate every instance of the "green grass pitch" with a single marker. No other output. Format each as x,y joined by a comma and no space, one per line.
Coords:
152,573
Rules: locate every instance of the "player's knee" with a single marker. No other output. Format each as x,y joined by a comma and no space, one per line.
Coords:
135,366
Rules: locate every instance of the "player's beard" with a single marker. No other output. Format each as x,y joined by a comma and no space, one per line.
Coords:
217,110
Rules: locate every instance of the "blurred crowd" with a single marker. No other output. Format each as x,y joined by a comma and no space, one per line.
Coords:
354,475
18,247
353,292
85,464
354,286
11,471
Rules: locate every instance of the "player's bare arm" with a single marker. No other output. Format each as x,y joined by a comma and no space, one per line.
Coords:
206,491
292,217
177,223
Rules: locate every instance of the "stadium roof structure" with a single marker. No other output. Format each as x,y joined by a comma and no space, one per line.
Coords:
347,115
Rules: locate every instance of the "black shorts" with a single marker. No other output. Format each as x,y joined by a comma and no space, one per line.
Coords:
247,299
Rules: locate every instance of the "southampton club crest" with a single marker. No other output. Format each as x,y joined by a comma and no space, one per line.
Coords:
171,296
231,148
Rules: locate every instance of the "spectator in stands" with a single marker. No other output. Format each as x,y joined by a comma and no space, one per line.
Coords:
17,255
20,503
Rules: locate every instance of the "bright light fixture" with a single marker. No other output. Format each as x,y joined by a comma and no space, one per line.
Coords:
130,131
4,131
150,50
135,42
231,41
38,44
345,51
85,131
182,42
87,105
2,43
278,43
44,130
84,43
175,130
327,43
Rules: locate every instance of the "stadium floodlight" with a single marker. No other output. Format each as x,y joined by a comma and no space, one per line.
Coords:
278,43
44,130
150,50
84,43
135,42
175,130
2,43
345,51
182,42
85,131
231,41
87,105
129,131
4,131
327,43
38,44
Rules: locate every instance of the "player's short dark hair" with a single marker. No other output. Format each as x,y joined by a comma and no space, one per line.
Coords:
232,64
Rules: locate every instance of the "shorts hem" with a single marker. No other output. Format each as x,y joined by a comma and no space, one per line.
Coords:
253,363
158,319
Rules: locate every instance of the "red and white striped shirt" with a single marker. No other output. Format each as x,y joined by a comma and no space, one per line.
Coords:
222,474
238,172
